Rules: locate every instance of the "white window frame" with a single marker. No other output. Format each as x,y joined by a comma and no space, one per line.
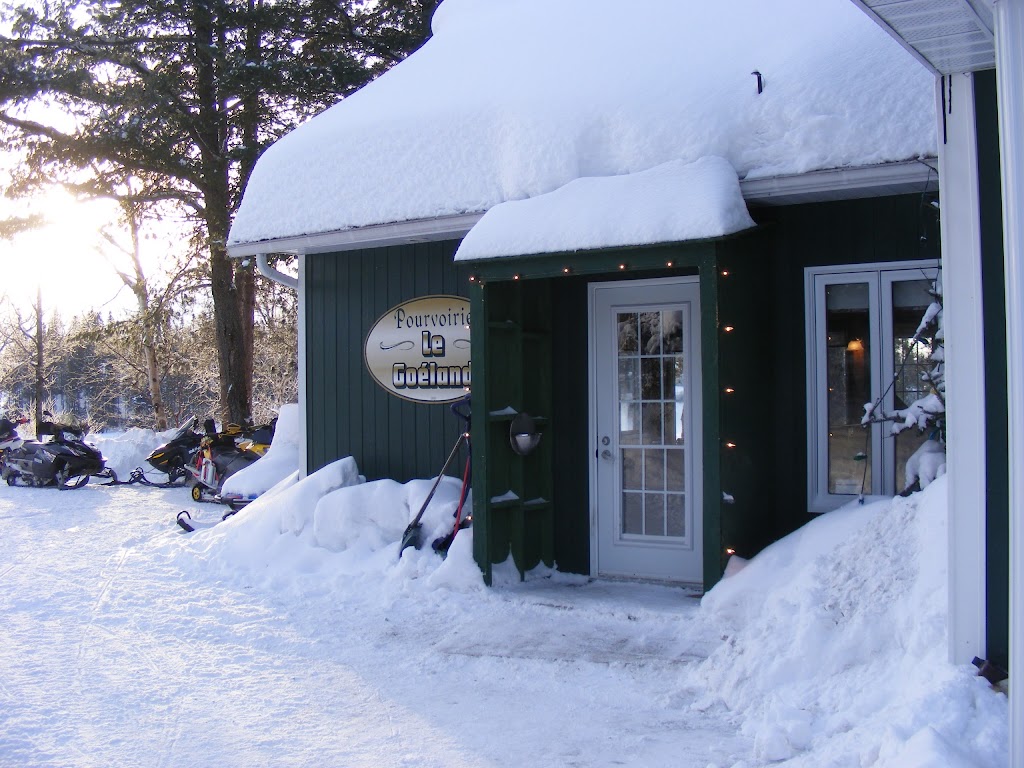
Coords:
879,277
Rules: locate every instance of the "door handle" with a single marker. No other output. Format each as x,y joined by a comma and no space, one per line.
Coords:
607,455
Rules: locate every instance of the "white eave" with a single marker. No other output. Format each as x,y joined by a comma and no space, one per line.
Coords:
817,186
947,36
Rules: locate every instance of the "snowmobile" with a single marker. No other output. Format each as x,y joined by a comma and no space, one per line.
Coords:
65,460
260,438
9,437
219,456
178,452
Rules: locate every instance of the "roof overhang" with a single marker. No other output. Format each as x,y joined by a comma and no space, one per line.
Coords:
913,176
947,36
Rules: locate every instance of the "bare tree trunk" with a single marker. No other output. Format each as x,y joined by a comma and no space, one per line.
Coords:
141,289
148,332
234,344
40,382
139,285
153,377
246,282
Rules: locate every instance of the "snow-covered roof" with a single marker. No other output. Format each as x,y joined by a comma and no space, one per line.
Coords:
511,99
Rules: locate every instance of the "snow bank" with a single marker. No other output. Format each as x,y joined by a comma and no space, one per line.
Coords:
280,460
333,524
125,451
672,202
513,99
834,647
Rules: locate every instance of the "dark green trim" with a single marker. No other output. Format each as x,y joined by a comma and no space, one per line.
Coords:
997,470
499,288
512,493
710,332
481,434
623,262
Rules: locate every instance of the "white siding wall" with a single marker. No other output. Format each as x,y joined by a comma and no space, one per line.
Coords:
965,379
1010,76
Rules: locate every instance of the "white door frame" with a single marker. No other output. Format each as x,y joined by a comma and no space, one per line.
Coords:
694,471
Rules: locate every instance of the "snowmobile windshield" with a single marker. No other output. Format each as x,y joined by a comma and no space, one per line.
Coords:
184,429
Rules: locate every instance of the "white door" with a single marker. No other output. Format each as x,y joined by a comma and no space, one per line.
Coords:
647,516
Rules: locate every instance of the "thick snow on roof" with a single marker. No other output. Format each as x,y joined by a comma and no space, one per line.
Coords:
672,202
511,99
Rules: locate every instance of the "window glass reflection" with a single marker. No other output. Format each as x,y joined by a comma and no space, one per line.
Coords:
651,417
848,376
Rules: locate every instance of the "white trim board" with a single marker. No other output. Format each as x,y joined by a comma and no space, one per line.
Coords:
1010,83
965,370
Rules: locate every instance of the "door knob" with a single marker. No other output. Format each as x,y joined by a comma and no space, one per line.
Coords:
606,454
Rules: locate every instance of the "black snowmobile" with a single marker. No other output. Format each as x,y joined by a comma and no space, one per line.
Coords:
65,460
218,458
178,452
9,437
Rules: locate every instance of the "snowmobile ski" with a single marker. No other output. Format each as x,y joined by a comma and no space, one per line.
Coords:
193,521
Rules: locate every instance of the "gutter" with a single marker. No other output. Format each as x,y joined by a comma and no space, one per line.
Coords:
908,176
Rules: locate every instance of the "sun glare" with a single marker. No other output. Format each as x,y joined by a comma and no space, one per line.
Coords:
63,258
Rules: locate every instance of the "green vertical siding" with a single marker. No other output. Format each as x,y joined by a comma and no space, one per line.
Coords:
570,415
792,238
536,362
348,414
997,479
749,420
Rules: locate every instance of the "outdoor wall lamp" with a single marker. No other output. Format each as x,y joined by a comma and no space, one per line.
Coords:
523,434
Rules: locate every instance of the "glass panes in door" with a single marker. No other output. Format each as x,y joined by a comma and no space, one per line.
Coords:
848,378
910,300
651,409
862,320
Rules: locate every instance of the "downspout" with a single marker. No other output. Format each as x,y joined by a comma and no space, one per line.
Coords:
1010,82
288,281
275,275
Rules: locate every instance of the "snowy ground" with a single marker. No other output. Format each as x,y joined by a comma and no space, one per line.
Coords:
115,652
292,635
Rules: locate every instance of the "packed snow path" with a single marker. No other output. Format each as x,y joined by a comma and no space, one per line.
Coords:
115,649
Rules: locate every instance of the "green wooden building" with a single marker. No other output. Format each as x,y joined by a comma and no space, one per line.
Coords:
740,470
696,396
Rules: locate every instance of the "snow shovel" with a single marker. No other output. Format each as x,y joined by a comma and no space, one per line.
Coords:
411,537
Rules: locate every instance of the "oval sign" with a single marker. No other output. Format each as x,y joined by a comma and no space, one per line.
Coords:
419,350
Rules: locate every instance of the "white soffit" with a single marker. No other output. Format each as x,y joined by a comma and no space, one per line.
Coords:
947,36
912,176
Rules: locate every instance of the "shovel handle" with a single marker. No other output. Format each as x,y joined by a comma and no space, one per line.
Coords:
458,444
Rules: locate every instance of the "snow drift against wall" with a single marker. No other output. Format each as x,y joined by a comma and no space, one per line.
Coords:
514,98
834,647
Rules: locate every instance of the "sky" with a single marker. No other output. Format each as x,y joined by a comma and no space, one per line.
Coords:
64,257
293,634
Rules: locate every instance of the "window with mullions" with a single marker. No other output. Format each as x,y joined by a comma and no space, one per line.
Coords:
861,321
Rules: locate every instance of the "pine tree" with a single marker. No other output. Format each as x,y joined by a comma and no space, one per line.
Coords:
150,101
